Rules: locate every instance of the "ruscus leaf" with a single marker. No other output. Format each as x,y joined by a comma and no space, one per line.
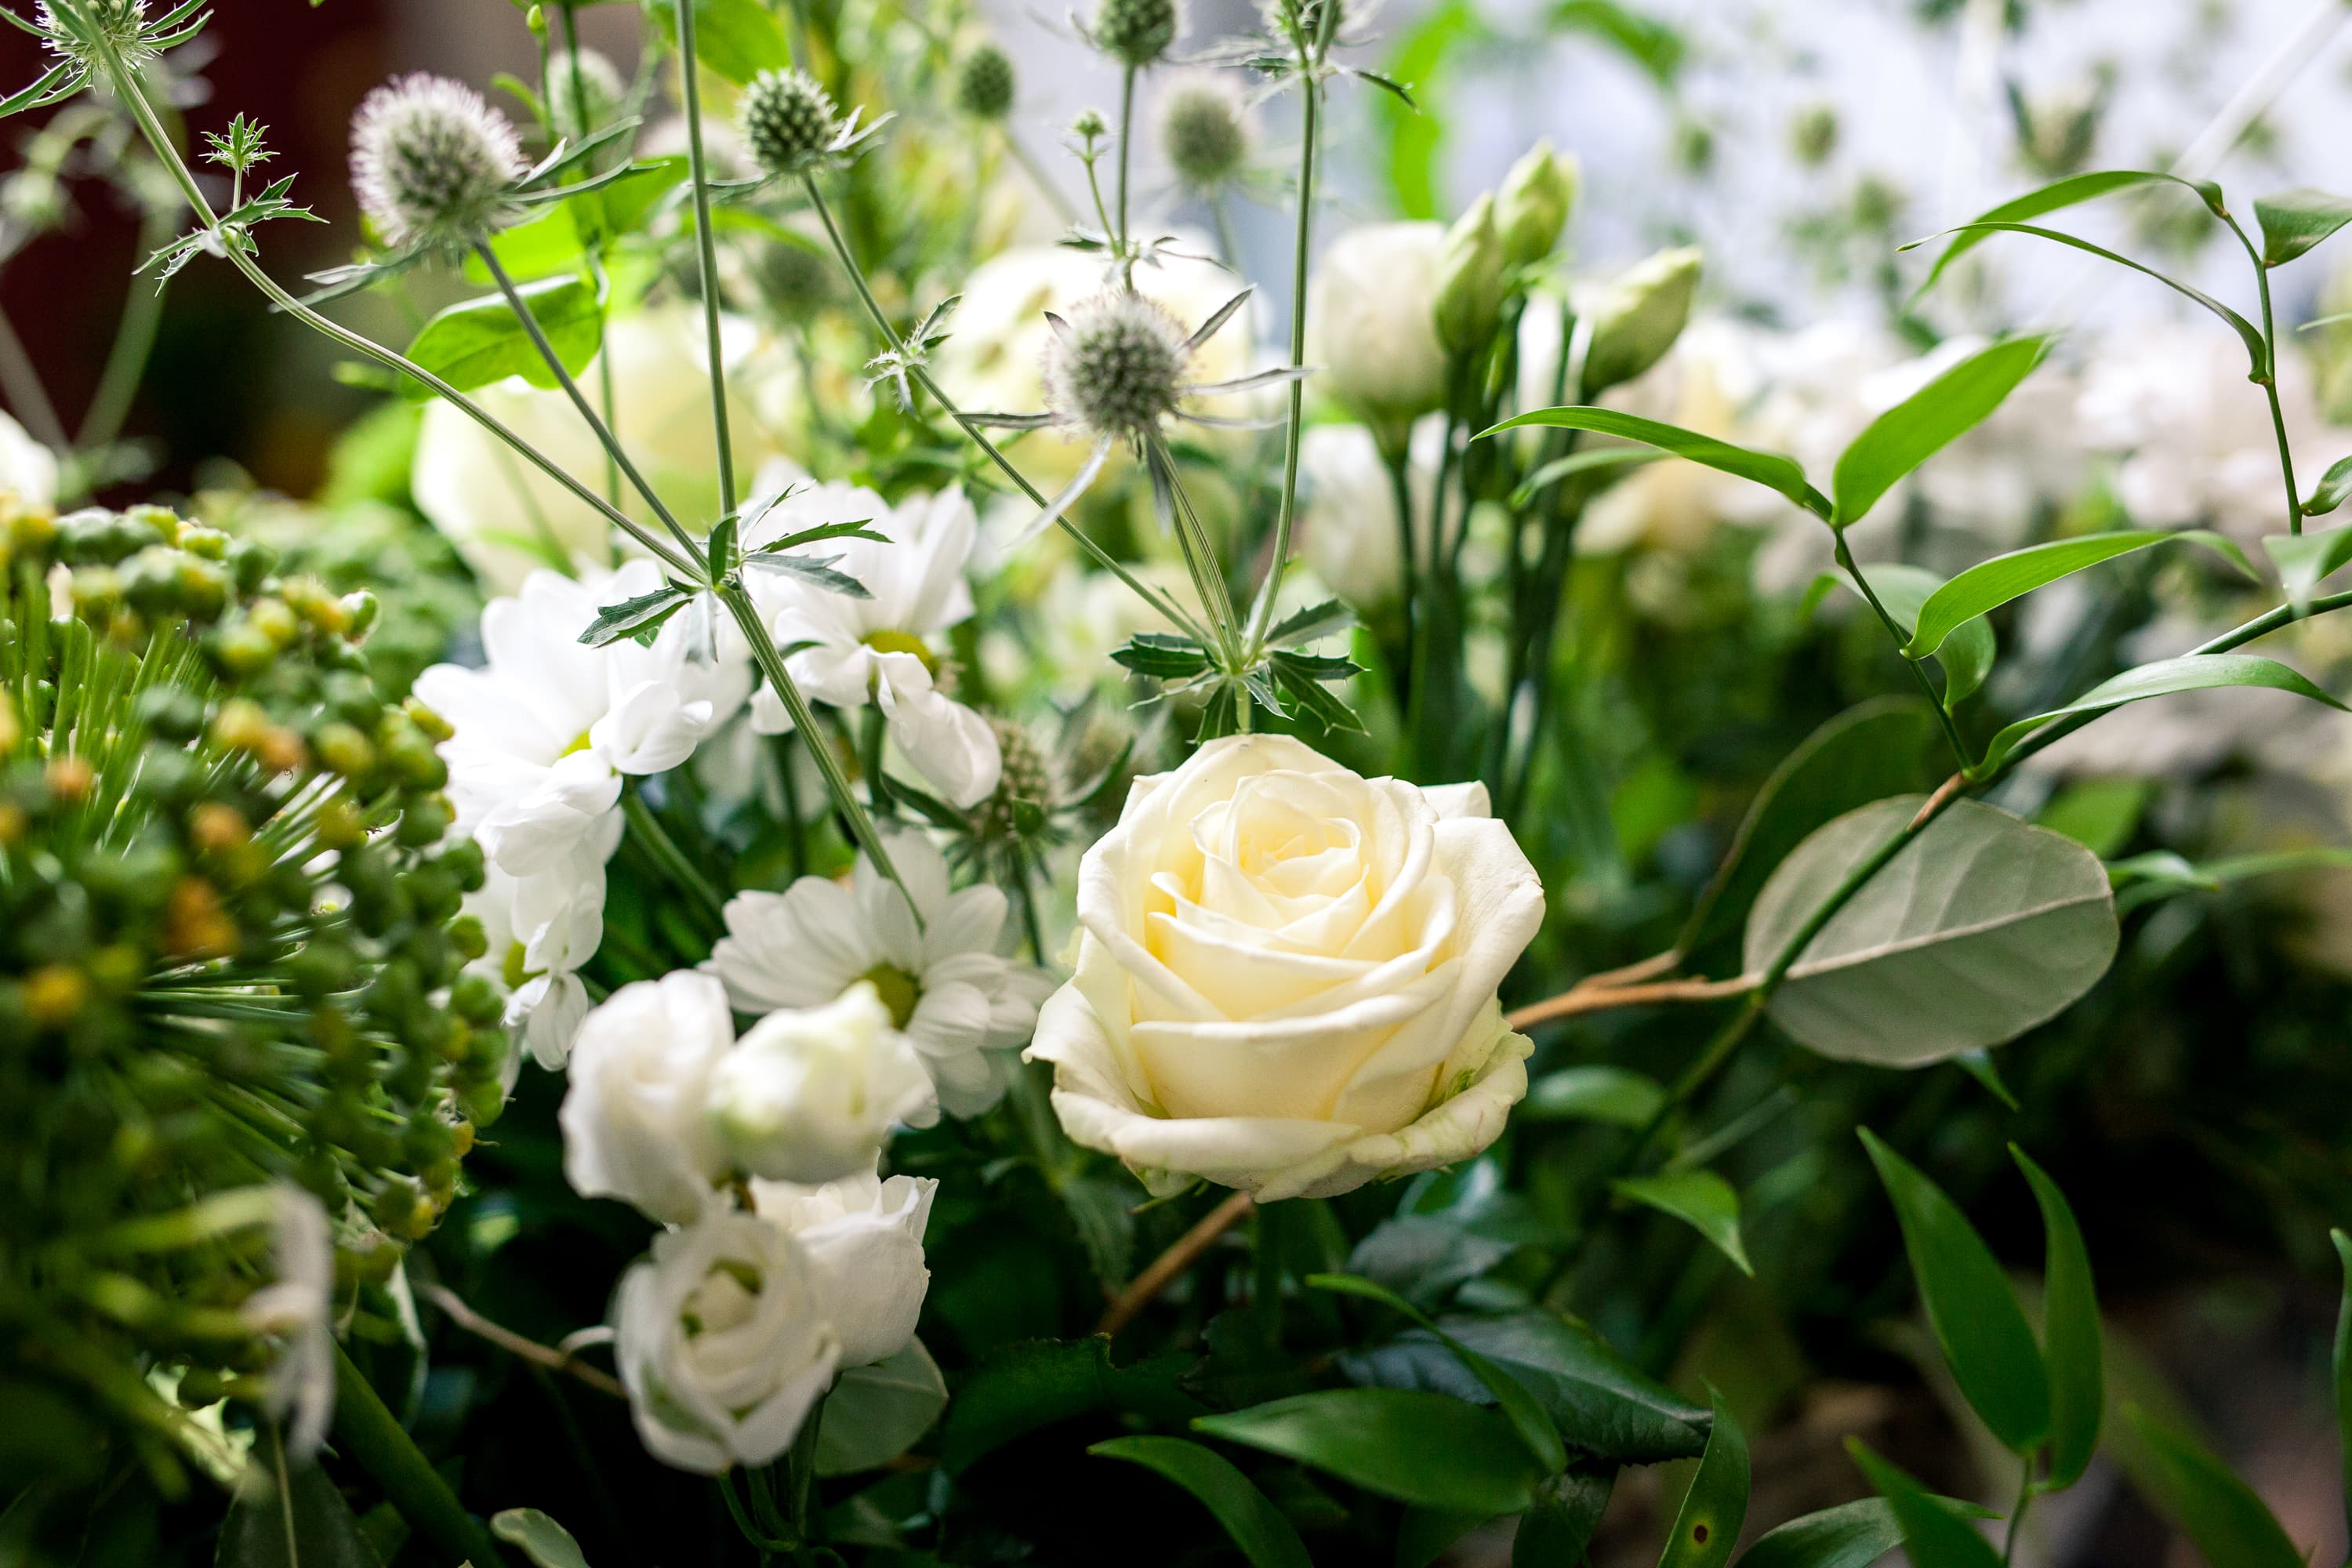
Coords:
2166,677
1934,1535
1770,470
1989,584
1415,1447
1700,1199
2231,1525
1923,423
1706,1526
1852,1535
546,1543
2050,198
1255,1525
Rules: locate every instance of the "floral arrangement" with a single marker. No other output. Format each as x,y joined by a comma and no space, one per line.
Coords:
1012,884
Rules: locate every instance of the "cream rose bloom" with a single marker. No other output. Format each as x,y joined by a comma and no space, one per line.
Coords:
1287,977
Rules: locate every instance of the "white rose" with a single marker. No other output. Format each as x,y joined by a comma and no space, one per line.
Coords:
811,1095
1371,327
864,1238
636,1120
722,1343
506,517
1287,977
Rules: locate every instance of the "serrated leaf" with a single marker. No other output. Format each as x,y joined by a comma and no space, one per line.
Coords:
2295,221
1989,584
477,341
1317,620
861,529
1163,655
1417,1447
1923,423
2071,1348
718,550
2166,677
1254,1524
815,570
643,613
1770,470
2231,1525
1934,1536
1312,699
2050,198
1700,1199
1706,1526
1978,1325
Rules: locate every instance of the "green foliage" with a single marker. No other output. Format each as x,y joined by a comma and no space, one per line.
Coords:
1700,1199
1851,1535
546,1543
1769,469
736,38
1706,1526
480,341
1256,1526
2071,1350
2213,1507
307,1524
2293,222
1559,1525
1934,1536
2066,193
2166,677
1989,584
877,1412
1428,1449
1923,423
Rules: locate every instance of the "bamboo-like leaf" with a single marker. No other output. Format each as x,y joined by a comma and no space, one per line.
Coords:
1934,1535
1700,1199
2231,1525
2050,198
1770,470
1706,1526
2190,672
1255,1525
1989,584
2071,1348
1417,1447
1923,423
2305,559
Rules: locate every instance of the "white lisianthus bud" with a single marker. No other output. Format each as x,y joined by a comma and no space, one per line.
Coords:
722,1343
1287,977
809,1095
1637,317
1533,205
431,161
635,1123
864,1238
1372,325
1470,280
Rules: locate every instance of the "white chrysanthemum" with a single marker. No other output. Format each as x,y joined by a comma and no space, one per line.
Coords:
946,982
540,931
297,1307
882,650
432,161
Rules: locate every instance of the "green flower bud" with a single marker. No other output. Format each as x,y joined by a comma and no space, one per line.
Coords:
1136,32
985,84
1204,131
788,120
1637,317
1533,206
1470,280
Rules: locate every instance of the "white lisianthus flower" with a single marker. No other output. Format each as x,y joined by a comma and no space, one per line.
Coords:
811,1094
507,517
1372,323
297,1307
722,1342
636,1119
545,732
880,649
864,1238
28,470
947,986
1287,977
1347,509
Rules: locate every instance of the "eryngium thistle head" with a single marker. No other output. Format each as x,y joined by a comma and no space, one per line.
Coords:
1116,367
985,83
1136,32
583,91
431,162
121,24
788,120
1204,131
1024,790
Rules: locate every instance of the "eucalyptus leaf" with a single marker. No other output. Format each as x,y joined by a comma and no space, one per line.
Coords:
1415,1446
1978,1325
1852,1535
1977,929
1989,584
1923,423
877,1412
1770,470
1706,1526
2166,677
2230,1524
2295,221
476,342
1933,1536
2071,1348
546,1543
2050,198
1255,1525
1700,1199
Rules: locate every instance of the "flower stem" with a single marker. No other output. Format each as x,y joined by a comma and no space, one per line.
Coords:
670,857
1311,116
1927,687
1126,139
366,1432
707,245
134,341
1055,197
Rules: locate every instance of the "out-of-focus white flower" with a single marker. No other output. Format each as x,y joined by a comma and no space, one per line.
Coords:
297,1307
811,1094
636,1119
1372,325
540,931
28,470
506,518
880,649
1076,624
1347,508
864,1238
723,1343
545,732
2195,436
946,983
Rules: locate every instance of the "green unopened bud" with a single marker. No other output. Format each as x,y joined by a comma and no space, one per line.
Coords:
1813,135
1533,206
1136,32
1470,280
984,86
1636,318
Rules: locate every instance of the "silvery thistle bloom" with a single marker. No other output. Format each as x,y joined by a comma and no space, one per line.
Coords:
812,1094
949,988
432,162
864,1238
297,1307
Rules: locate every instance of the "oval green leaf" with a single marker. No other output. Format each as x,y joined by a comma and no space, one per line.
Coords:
877,1412
2072,1352
1706,1526
2166,677
1989,584
1402,1442
477,341
1770,470
1617,1095
1256,1526
1977,929
1978,1325
2333,488
1700,1199
2232,1526
2295,221
2304,559
2050,198
546,1543
1852,1535
1923,423
1934,1535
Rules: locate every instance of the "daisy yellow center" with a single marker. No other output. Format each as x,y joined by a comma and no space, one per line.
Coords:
580,743
517,971
903,642
898,990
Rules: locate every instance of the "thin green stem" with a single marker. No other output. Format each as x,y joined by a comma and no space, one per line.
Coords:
1057,198
1310,114
1126,140
366,1433
760,1541
134,340
23,383
2017,1515
706,247
673,860
2268,378
1399,463
1902,637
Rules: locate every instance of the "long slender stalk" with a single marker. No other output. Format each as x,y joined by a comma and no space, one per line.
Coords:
2278,416
23,385
366,1433
1310,114
706,248
1894,630
1055,197
673,860
134,340
1126,142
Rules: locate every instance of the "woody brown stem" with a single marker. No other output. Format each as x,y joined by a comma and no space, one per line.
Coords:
1590,999
1147,1286
507,1340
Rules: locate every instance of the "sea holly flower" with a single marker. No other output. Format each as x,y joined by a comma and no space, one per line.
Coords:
432,162
86,36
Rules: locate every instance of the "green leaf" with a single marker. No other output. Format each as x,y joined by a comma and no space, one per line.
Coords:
1526,1415
1852,1535
1255,1525
2343,1363
1967,654
1989,584
1700,1199
1162,654
2257,350
548,245
1302,680
814,568
477,341
2304,559
1770,470
1036,1384
1617,1095
1414,134
2064,193
2190,672
1417,1447
2100,814
544,1541
1933,1534
1422,1534
2295,221
877,1412
1869,752
622,208
1977,929
1558,468
1706,1526
2334,485
2071,1351
1978,1325
639,618
1601,1402
1560,1526
1923,423
737,38
2232,1526
1649,43
311,1526
1324,619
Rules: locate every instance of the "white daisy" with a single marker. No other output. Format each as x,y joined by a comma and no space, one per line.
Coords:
947,986
540,930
